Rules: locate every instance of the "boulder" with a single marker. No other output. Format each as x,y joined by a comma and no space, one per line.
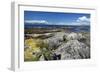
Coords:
74,36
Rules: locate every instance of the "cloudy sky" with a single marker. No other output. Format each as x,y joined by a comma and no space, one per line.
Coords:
56,18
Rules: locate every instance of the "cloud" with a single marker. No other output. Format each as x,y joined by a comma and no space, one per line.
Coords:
36,21
83,20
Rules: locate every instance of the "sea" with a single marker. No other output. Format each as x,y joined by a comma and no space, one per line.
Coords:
73,28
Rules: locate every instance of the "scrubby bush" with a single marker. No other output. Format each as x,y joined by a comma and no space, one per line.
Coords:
32,51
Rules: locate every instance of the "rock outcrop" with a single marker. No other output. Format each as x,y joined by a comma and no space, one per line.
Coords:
74,48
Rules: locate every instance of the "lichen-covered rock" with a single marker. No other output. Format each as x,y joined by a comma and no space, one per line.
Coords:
74,36
73,49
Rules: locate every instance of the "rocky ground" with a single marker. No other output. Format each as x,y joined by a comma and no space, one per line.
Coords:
60,46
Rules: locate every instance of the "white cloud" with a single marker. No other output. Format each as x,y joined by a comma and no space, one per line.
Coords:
83,20
79,21
36,21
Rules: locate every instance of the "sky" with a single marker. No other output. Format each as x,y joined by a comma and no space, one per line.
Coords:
58,18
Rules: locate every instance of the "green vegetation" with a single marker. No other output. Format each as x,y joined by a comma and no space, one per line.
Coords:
35,49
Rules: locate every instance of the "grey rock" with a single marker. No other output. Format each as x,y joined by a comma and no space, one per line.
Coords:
73,49
41,58
74,36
